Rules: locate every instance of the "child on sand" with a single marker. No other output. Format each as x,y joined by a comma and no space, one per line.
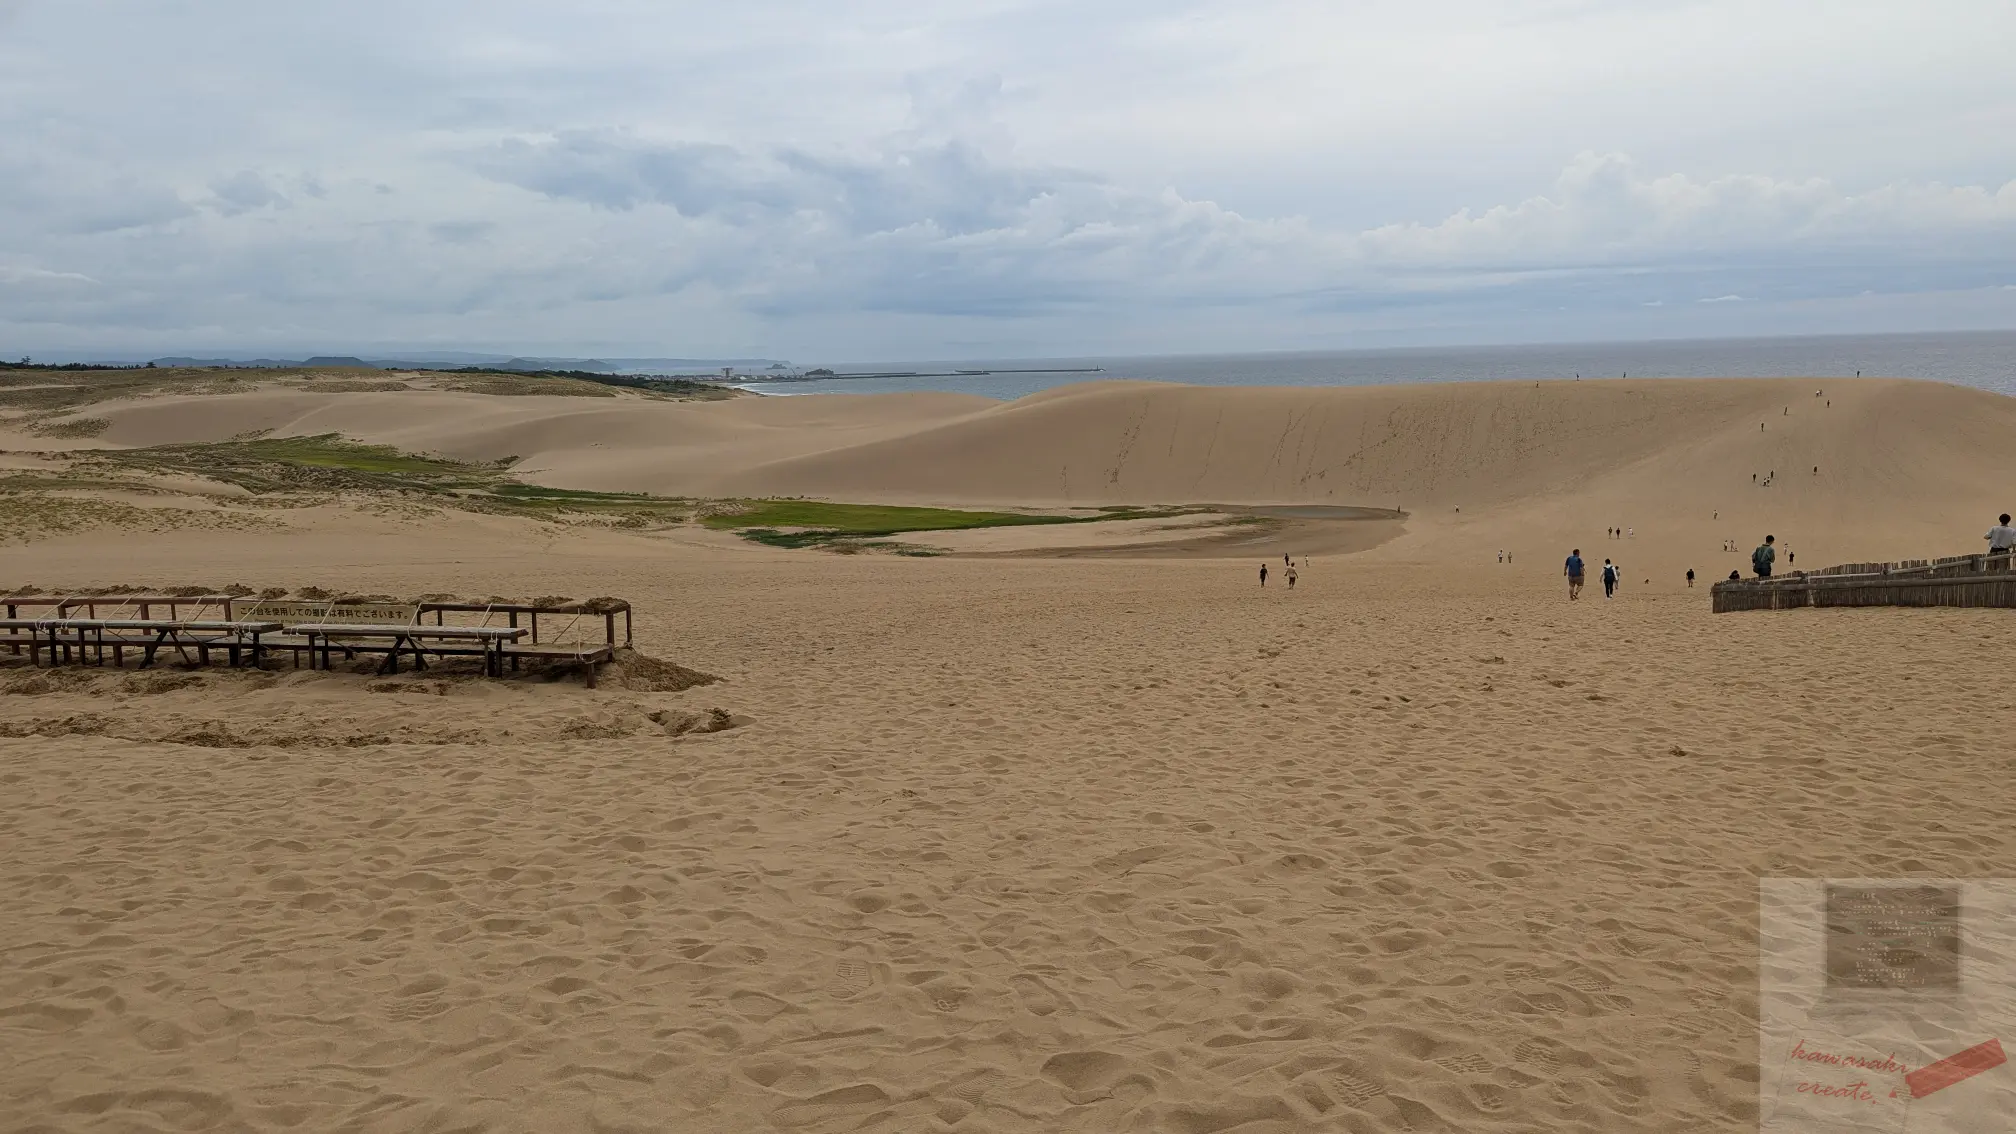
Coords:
1291,576
1263,574
1573,569
1610,574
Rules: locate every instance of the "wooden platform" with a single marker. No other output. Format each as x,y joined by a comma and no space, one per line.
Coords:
492,632
1960,580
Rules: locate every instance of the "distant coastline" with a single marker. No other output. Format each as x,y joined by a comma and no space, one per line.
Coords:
1982,359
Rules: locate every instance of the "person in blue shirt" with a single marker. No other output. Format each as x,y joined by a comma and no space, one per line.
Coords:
1573,569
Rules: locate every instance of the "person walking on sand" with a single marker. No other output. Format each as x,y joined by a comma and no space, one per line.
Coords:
1291,576
1690,578
1610,574
1573,569
1263,574
1762,558
2001,538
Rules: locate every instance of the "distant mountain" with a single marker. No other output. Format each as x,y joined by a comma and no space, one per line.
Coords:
450,359
176,360
594,365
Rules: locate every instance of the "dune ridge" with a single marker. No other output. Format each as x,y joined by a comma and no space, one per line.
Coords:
1846,468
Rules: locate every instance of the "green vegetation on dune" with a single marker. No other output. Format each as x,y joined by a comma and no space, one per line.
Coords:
326,466
325,462
833,526
45,392
872,519
536,497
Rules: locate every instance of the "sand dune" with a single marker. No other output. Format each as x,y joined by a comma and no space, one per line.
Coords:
1010,845
1005,846
1688,463
614,444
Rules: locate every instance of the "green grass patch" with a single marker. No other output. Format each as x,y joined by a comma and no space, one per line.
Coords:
883,519
642,506
325,463
851,527
331,451
328,466
75,427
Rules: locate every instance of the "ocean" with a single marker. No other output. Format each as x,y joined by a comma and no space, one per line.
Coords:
1986,359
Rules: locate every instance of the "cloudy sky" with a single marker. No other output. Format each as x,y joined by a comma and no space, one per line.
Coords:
884,179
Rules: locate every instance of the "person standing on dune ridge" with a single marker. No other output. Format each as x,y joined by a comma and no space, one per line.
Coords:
1573,569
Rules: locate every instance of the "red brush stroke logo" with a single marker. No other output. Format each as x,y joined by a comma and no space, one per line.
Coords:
1950,1070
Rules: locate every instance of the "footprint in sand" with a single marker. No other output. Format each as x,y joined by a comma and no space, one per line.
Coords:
1089,1076
1036,996
860,1099
1355,1089
975,1085
1539,1056
851,977
419,999
1489,1097
759,1007
1589,982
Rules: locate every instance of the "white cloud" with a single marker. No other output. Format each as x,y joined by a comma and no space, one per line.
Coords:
243,192
784,178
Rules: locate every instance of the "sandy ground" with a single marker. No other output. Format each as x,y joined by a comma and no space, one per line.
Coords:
995,845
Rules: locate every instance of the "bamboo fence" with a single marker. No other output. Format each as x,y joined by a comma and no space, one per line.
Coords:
1959,580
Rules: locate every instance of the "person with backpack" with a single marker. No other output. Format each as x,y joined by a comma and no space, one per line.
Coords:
1761,559
1610,574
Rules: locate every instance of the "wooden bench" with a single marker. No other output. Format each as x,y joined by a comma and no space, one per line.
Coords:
66,606
264,626
359,638
586,653
93,636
